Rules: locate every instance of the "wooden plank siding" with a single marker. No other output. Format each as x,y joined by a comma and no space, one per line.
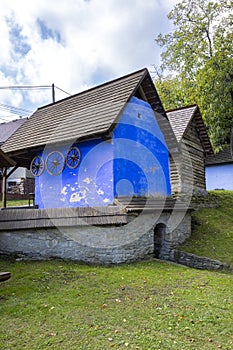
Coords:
188,170
192,165
175,174
15,218
134,204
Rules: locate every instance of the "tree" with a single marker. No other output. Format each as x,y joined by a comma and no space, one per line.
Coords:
197,63
174,91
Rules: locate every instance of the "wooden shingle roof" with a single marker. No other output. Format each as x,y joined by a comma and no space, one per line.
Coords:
91,113
222,157
180,119
7,129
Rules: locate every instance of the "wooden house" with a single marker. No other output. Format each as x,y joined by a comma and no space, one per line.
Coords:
188,168
98,145
101,161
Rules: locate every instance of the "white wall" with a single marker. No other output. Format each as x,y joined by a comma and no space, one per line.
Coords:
219,177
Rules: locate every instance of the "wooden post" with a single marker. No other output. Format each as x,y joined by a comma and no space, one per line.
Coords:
4,187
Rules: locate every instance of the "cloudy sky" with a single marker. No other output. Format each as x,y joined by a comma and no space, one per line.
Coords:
73,44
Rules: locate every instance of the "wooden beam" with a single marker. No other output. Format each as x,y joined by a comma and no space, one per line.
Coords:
12,171
4,183
4,187
5,160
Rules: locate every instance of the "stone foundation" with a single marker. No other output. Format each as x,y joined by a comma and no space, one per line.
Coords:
105,244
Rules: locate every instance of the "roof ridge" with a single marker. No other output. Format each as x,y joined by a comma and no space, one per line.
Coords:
180,108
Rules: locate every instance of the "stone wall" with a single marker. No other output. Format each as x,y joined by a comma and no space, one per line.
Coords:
197,262
109,244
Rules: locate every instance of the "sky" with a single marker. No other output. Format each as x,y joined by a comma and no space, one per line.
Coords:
73,44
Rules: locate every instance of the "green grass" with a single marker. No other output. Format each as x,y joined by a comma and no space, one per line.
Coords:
16,202
147,305
212,233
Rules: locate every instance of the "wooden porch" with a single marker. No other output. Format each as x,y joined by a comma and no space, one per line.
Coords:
17,218
24,218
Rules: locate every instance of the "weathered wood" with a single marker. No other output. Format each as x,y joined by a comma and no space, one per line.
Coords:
151,204
193,170
4,178
194,143
62,222
15,219
222,157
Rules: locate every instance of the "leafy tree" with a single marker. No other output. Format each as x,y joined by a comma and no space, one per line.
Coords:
174,91
197,63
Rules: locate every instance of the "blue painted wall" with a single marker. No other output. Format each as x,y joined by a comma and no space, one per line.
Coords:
134,162
219,177
90,184
141,159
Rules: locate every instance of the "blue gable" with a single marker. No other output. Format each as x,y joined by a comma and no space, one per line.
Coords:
134,163
141,159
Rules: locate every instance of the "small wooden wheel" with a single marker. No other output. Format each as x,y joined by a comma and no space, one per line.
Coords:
73,157
55,162
37,166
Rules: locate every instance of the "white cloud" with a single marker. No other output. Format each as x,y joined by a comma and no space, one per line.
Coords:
75,43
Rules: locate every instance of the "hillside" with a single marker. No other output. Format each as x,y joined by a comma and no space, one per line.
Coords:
212,229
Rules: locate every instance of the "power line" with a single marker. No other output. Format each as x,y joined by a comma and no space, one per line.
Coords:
33,87
4,118
16,109
62,90
13,110
25,87
22,111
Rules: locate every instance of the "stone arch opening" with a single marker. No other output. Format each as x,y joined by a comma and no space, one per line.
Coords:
159,238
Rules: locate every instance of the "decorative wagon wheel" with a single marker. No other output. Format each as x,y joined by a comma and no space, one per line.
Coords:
73,157
55,162
37,166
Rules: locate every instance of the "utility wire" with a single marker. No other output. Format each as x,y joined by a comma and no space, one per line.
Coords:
16,109
25,87
22,111
29,87
62,90
13,110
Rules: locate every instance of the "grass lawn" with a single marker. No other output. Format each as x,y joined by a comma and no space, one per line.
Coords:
16,202
212,233
147,305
